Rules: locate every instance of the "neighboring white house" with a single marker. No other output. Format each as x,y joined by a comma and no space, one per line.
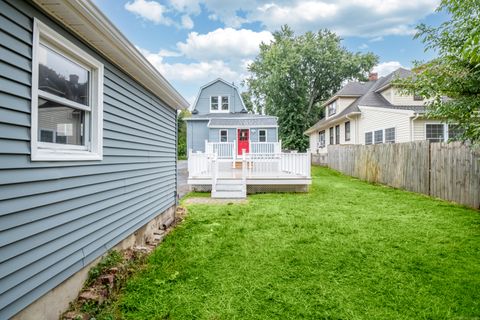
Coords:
375,112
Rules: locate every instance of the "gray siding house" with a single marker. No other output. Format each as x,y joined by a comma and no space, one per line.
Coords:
87,150
219,116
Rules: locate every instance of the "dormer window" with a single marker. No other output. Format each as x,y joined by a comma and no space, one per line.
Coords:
332,108
219,104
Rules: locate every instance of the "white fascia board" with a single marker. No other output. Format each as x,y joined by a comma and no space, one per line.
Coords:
386,109
85,20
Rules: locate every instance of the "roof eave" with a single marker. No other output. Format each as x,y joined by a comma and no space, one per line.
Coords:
84,19
315,128
335,97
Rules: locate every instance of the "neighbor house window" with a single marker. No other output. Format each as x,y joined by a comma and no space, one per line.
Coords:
219,103
347,131
332,108
223,135
390,135
262,135
67,99
330,134
368,138
435,132
337,134
378,136
321,139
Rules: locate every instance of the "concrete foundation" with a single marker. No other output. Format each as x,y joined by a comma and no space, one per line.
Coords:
55,302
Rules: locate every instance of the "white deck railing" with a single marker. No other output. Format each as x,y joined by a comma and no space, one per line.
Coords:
199,164
265,147
228,150
224,150
273,165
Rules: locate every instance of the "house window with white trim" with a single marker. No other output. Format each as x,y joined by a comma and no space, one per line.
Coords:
368,138
337,134
67,99
347,131
219,103
435,132
390,135
321,139
332,108
330,135
223,135
262,135
378,136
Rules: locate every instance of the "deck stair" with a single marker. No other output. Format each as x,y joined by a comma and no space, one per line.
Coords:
229,188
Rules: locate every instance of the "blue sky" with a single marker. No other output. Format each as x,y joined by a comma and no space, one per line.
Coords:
192,42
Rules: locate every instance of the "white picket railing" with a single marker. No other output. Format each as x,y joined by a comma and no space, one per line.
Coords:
224,150
273,165
199,164
265,147
296,163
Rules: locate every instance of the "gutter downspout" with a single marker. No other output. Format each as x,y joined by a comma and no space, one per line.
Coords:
412,129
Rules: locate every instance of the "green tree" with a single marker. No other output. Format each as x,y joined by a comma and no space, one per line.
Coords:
182,133
293,75
451,82
247,99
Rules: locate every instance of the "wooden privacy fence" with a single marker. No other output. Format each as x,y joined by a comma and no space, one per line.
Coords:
450,171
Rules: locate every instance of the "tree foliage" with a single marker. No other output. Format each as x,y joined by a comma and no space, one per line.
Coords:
247,100
293,75
182,134
451,82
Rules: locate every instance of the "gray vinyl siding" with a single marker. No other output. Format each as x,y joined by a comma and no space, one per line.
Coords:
214,134
197,133
56,217
271,134
218,88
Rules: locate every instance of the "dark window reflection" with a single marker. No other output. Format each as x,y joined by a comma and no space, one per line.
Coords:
60,124
62,77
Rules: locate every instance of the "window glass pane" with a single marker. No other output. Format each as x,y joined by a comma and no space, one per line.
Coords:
225,103
214,103
60,124
378,136
321,139
262,136
223,136
435,132
390,135
337,134
368,138
347,131
62,77
331,135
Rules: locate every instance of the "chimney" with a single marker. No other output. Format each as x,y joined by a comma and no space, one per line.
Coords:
373,76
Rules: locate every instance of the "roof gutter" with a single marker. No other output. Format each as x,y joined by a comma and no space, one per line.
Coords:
84,19
313,129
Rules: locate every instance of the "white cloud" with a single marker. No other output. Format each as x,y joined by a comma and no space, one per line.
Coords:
363,46
149,10
188,6
376,39
187,22
385,68
229,44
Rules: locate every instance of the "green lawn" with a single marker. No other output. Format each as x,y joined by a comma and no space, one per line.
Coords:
346,250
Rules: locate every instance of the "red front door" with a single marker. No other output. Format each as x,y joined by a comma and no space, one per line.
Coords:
243,140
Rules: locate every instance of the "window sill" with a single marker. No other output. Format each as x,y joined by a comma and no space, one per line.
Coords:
64,155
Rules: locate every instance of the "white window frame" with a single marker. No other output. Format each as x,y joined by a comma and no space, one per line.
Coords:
365,137
383,136
445,130
332,107
220,104
394,135
320,144
220,135
93,148
266,137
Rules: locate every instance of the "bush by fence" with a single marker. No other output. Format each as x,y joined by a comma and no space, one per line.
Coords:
450,171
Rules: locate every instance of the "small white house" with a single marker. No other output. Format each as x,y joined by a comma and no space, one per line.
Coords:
375,112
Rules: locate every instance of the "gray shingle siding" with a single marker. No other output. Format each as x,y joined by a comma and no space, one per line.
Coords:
56,217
